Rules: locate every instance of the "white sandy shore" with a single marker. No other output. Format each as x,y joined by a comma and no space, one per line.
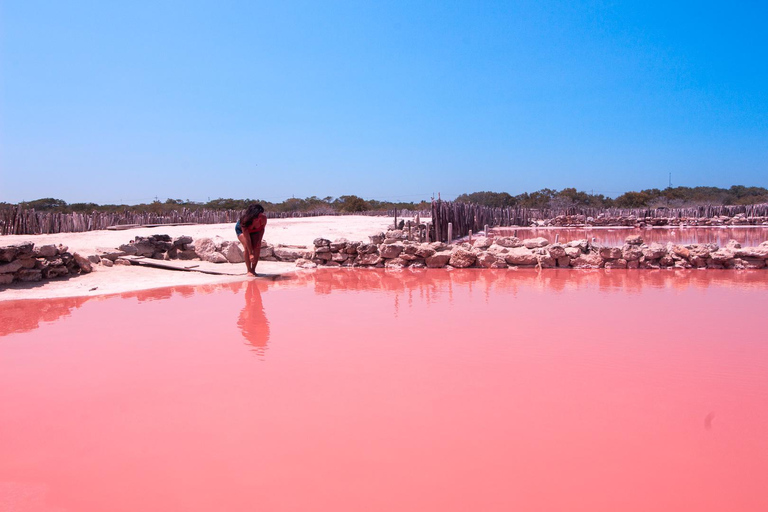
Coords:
118,279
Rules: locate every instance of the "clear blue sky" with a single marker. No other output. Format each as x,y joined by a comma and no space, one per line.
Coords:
124,101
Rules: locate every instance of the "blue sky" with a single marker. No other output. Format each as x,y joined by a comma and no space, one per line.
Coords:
127,101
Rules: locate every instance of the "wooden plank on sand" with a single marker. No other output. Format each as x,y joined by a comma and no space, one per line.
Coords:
165,265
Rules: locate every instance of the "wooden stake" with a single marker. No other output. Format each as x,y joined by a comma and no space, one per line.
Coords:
450,232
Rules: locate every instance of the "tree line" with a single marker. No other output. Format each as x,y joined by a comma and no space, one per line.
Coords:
672,197
347,204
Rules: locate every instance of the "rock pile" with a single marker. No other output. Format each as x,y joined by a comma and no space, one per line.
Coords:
510,252
214,250
25,262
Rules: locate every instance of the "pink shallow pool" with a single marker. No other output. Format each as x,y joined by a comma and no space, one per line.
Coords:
381,391
613,237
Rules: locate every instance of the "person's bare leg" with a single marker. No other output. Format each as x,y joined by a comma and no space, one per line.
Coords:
247,253
256,244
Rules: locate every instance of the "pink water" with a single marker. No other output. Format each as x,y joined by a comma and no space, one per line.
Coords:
380,391
613,237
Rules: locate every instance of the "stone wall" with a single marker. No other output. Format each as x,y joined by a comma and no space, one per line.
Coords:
214,250
27,263
391,250
739,219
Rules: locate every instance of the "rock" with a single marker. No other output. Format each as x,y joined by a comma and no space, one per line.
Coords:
377,238
732,245
654,251
587,260
10,268
482,242
204,248
322,242
216,257
352,247
760,253
462,258
187,254
753,263
440,246
572,252
232,252
390,251
438,260
619,263
508,241
46,251
721,256
681,251
367,248
54,272
30,275
368,259
126,249
146,248
634,240
395,263
666,261
123,262
7,254
340,257
556,251
582,245
83,262
563,262
545,260
425,251
631,252
28,262
6,279
93,258
532,243
324,256
305,263
267,251
180,241
520,256
487,259
106,262
339,244
610,253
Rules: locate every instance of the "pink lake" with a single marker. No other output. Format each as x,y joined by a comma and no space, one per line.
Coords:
380,391
748,236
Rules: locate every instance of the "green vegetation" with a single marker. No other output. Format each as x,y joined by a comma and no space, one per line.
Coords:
677,197
329,205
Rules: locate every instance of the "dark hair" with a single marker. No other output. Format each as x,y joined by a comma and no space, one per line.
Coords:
250,214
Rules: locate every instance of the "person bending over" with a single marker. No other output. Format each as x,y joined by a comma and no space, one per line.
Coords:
250,231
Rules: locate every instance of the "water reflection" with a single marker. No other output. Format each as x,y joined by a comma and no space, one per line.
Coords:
427,282
26,315
253,321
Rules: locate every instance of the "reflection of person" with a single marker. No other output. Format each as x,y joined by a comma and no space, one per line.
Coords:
253,322
250,230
